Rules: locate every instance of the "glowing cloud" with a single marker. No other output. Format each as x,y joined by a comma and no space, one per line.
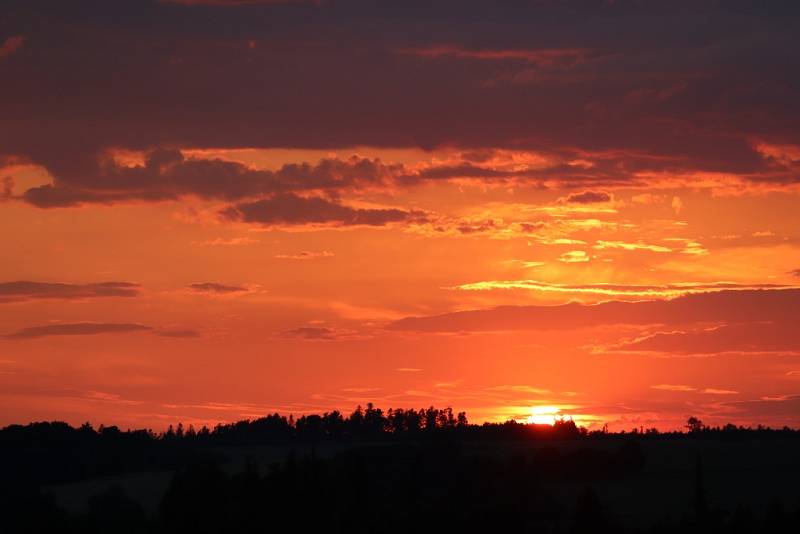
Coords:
574,256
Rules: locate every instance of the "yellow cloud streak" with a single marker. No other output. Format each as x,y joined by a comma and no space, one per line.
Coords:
660,291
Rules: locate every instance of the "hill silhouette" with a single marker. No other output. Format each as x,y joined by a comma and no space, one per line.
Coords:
400,470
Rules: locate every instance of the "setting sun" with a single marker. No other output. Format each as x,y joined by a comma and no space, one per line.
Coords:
544,415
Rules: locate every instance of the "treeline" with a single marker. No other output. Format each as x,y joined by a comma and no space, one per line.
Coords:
402,470
53,452
369,422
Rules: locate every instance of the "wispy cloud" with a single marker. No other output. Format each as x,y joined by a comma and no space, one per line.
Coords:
673,387
318,333
306,255
600,245
28,290
214,287
613,290
535,56
77,329
574,256
519,388
228,242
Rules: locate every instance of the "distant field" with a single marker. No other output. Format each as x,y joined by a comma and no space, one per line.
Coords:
148,488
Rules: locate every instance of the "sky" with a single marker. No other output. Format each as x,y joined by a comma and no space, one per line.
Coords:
213,210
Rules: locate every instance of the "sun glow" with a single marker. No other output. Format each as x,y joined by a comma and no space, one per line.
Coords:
544,415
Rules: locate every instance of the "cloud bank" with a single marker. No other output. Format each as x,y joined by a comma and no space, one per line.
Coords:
619,95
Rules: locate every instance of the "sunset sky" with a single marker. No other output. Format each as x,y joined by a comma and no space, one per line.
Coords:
212,210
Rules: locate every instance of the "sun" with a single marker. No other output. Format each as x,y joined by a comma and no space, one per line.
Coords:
543,415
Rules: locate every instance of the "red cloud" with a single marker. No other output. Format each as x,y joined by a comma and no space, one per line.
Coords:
11,45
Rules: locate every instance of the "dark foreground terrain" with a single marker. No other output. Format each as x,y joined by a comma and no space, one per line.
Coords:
397,471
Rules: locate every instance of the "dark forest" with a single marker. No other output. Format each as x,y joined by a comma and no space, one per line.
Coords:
426,470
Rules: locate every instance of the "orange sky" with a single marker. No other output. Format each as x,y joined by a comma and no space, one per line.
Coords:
214,253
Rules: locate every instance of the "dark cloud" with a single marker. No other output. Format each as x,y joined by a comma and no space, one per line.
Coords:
235,3
167,175
318,333
741,306
476,228
588,197
76,329
736,337
785,406
602,173
27,290
289,209
213,287
728,321
629,86
795,272
464,170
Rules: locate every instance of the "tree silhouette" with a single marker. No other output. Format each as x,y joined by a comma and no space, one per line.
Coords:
693,424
